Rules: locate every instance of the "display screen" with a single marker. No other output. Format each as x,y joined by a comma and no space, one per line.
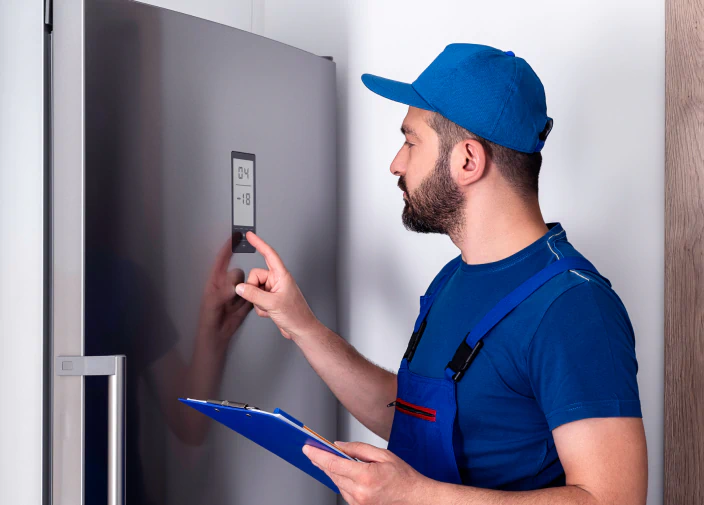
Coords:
242,192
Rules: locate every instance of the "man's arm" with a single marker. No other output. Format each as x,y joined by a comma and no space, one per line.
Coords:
362,387
605,463
604,460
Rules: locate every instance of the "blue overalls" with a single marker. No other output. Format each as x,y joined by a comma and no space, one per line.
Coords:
424,421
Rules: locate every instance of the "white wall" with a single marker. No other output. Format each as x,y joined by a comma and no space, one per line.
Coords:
602,64
21,250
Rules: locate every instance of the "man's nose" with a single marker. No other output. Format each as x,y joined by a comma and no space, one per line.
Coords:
397,167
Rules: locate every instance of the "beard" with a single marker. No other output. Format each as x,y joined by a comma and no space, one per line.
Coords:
436,206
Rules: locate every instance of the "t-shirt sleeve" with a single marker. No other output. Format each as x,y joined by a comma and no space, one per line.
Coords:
581,360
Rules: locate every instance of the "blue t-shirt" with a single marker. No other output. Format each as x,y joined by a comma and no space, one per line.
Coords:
566,353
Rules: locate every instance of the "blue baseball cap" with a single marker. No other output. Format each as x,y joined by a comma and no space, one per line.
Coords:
491,93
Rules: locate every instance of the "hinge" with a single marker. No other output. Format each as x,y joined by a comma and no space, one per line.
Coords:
49,14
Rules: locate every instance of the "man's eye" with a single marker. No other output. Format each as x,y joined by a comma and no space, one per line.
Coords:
408,144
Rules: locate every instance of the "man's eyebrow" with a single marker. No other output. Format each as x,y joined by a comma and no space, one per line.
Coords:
407,130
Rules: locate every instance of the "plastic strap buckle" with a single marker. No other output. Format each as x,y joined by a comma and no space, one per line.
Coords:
464,356
413,343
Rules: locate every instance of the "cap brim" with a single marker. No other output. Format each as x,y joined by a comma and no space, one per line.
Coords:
397,91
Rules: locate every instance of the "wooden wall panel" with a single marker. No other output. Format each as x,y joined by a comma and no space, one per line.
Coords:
684,253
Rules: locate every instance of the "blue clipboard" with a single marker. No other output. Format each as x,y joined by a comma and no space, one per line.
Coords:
278,432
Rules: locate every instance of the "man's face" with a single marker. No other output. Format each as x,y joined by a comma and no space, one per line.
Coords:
434,202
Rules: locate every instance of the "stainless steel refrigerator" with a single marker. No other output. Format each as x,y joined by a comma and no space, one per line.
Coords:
151,117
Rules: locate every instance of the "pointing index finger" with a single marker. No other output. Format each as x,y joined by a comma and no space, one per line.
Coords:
270,256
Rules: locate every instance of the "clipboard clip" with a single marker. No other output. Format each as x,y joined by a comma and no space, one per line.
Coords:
228,403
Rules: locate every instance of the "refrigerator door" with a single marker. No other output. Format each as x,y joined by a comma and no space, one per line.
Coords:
152,105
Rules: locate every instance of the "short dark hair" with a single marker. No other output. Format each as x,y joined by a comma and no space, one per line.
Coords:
520,169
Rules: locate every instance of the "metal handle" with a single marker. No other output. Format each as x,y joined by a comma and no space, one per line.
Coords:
114,368
116,434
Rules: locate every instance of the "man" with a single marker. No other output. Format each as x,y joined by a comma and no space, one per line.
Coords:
519,382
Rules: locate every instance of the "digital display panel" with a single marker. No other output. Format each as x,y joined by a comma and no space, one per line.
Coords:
242,192
244,208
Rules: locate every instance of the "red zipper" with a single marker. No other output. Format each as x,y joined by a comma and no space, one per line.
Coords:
414,410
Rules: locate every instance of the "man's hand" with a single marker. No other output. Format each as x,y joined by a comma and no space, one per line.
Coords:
276,295
382,479
221,310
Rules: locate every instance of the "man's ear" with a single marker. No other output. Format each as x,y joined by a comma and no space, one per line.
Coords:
468,161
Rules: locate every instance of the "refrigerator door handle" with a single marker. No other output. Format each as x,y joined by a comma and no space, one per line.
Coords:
114,368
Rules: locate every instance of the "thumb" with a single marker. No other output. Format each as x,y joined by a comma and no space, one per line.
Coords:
255,295
362,451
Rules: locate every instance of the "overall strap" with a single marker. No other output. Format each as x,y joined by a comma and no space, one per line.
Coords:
471,345
425,303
